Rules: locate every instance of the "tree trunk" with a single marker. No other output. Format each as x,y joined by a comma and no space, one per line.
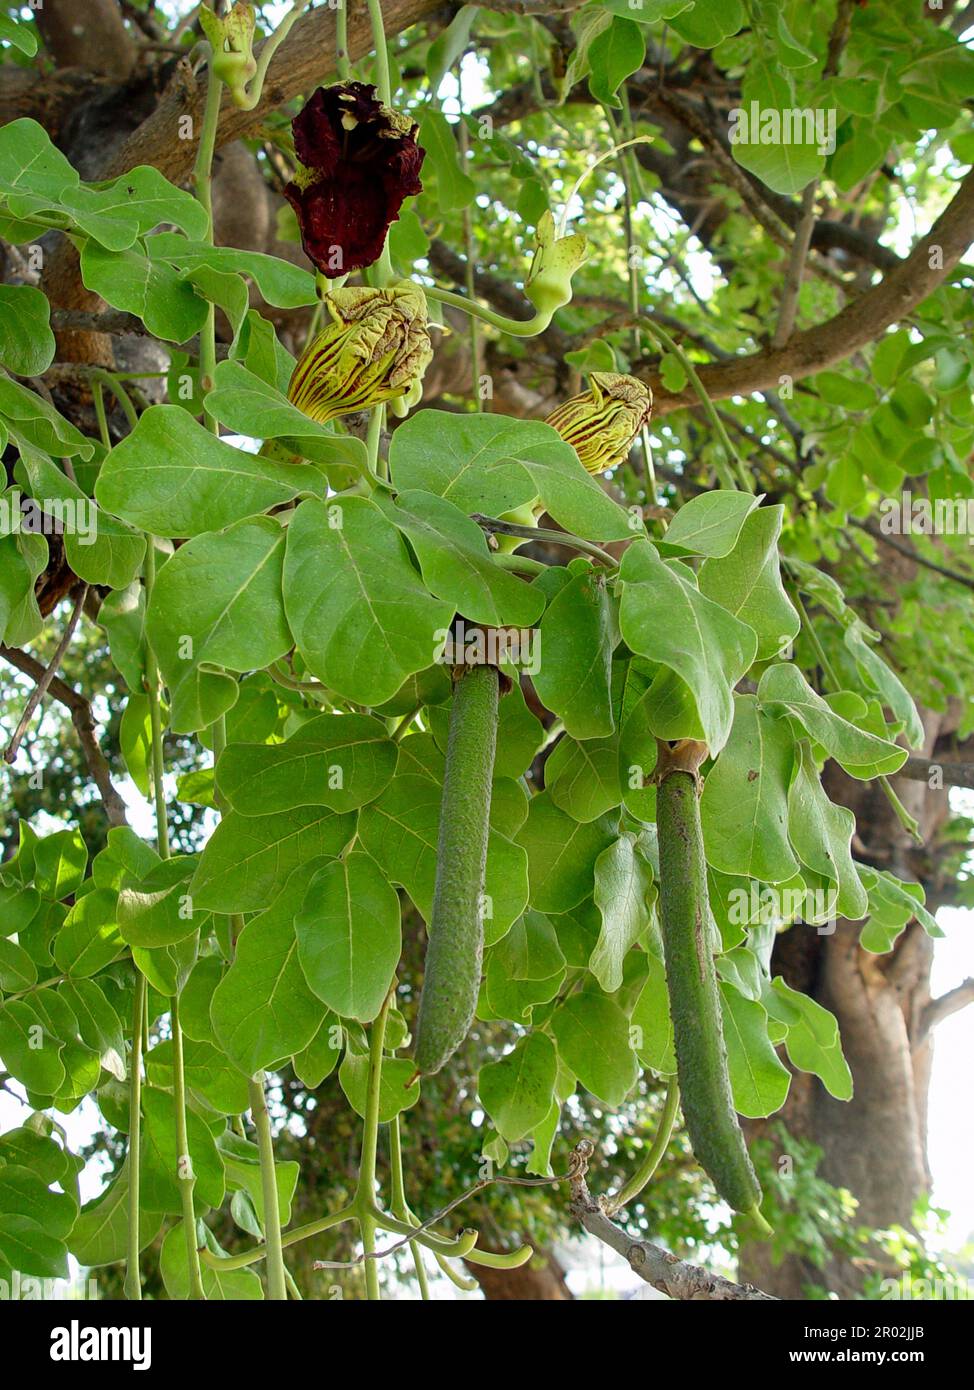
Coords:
541,1278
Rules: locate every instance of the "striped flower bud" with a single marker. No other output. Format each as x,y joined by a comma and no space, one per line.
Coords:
602,422
375,349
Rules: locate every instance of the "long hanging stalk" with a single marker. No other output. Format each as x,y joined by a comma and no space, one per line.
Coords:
185,1177
364,1199
399,1206
644,1173
468,247
133,1277
276,1274
203,188
343,66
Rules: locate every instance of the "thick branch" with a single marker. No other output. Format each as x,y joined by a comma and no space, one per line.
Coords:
676,1278
910,553
87,34
950,773
84,722
305,58
950,1003
860,322
113,321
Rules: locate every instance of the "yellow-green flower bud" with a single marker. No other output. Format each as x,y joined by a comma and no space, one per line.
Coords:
602,422
375,349
231,39
549,281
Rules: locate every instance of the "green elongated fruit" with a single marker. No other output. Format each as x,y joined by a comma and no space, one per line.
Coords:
454,954
691,978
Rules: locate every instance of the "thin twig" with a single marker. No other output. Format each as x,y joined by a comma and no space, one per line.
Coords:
540,533
950,1003
674,1277
83,720
45,679
912,554
795,272
949,773
439,1216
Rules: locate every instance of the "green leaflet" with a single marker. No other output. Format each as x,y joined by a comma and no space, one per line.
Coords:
666,619
174,478
759,1081
400,830
517,1091
217,606
26,342
821,834
711,523
456,564
624,895
577,637
471,460
561,854
262,1010
248,859
583,778
361,618
341,761
592,1034
395,1095
744,807
348,935
862,754
747,582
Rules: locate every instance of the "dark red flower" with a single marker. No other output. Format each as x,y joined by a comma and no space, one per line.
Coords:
360,160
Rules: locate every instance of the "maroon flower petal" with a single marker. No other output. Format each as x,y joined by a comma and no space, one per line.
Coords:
361,160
